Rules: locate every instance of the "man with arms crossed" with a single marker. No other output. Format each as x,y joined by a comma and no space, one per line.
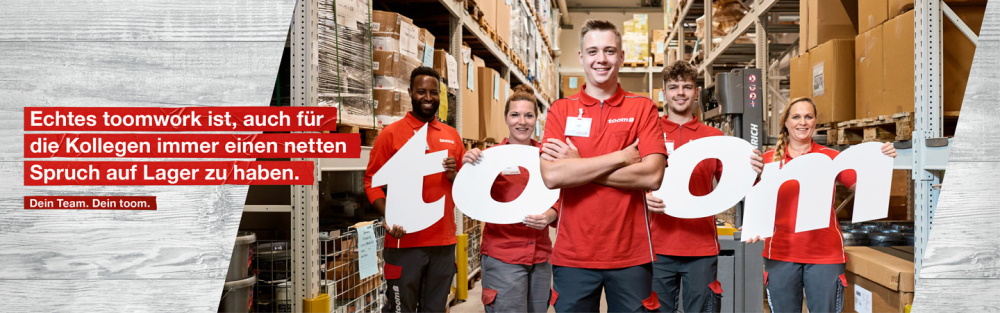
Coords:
604,148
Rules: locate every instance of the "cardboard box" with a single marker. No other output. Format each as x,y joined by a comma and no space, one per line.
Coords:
388,23
824,21
872,13
658,47
424,38
503,19
897,73
386,63
869,82
469,77
489,9
390,105
800,77
490,93
441,63
879,279
957,57
571,85
832,65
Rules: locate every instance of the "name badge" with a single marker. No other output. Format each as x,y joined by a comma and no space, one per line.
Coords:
513,170
578,126
670,146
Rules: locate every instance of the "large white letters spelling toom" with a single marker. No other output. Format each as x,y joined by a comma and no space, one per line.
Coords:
815,173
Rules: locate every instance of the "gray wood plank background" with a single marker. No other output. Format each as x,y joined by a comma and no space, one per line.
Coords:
145,20
127,53
129,74
958,247
110,295
961,267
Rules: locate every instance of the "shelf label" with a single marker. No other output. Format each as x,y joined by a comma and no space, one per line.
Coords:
347,13
573,83
408,40
367,251
428,54
452,69
862,300
471,76
818,80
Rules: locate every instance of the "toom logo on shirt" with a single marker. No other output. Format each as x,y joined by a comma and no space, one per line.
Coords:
448,141
621,120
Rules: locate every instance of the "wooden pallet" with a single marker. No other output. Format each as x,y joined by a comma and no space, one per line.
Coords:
829,130
884,128
368,133
635,64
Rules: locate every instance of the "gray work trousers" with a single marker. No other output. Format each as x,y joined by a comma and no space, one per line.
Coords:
515,287
695,275
418,279
823,285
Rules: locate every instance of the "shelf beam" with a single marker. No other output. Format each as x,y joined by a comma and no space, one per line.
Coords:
759,10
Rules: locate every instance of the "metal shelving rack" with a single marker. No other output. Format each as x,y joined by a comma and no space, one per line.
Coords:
304,69
926,154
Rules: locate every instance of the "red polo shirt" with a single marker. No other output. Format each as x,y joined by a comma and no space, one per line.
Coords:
602,227
439,137
820,246
515,243
681,236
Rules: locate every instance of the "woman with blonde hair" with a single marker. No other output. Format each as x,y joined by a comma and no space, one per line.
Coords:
812,261
515,257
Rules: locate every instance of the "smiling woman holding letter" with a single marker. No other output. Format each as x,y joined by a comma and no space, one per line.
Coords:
810,261
515,261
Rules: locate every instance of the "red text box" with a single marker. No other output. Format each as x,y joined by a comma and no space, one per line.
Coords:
127,173
124,119
89,203
298,145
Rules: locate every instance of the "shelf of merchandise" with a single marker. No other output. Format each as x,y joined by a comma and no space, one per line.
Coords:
304,63
926,154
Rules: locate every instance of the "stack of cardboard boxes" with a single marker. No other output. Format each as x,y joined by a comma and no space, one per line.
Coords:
870,73
885,61
824,69
344,80
396,43
399,47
